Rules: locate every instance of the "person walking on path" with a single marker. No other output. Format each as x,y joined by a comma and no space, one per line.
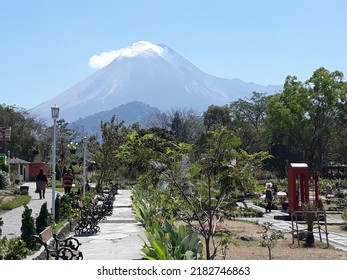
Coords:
268,197
41,183
67,181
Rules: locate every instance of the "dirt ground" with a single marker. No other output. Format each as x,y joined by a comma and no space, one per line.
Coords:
283,250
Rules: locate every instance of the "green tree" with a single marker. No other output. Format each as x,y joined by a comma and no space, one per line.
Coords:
113,134
23,131
217,115
203,190
140,151
306,116
247,117
65,135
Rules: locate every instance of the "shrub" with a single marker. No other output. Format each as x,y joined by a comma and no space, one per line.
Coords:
42,220
1,224
13,249
65,206
57,208
244,212
5,167
269,239
28,227
3,180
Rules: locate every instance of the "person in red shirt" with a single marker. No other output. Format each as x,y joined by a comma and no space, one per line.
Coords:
67,181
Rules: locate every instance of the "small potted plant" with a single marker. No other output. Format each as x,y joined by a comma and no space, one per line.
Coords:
284,202
73,147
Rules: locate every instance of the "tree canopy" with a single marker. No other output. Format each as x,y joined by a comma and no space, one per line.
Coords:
307,117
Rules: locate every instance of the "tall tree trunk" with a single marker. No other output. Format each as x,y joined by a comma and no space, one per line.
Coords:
207,244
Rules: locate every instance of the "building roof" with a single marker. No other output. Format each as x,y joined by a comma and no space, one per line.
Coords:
15,160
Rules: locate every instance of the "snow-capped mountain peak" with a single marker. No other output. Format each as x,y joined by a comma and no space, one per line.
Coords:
140,48
143,47
152,74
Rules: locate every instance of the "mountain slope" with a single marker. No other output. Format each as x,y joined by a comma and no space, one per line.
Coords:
152,74
129,113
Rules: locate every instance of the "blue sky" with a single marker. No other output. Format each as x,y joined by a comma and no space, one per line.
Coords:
46,44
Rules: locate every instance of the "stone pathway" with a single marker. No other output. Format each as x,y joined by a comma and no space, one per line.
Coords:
119,237
13,219
335,239
120,234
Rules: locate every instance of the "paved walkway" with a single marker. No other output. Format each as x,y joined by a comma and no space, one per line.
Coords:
119,237
13,219
120,234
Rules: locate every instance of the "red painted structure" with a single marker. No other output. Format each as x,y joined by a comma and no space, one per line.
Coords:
302,186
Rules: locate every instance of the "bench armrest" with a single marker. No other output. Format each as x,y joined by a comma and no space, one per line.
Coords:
70,242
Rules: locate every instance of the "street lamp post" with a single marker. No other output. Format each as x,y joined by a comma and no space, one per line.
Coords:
55,115
9,164
84,165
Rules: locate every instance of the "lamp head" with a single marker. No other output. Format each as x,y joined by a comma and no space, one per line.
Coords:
55,111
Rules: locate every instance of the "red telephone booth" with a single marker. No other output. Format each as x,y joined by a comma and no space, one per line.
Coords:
302,186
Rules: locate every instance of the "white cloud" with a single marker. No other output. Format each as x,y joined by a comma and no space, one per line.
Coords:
101,60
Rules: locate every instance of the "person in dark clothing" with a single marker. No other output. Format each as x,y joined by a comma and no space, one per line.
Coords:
268,197
41,183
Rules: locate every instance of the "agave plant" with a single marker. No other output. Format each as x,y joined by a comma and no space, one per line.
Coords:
145,213
170,243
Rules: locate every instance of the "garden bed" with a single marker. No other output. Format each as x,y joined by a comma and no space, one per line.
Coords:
284,250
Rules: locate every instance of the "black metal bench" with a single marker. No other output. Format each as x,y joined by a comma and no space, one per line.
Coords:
58,249
106,205
90,215
93,212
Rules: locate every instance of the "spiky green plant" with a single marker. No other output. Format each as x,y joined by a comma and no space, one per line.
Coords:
145,213
170,243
